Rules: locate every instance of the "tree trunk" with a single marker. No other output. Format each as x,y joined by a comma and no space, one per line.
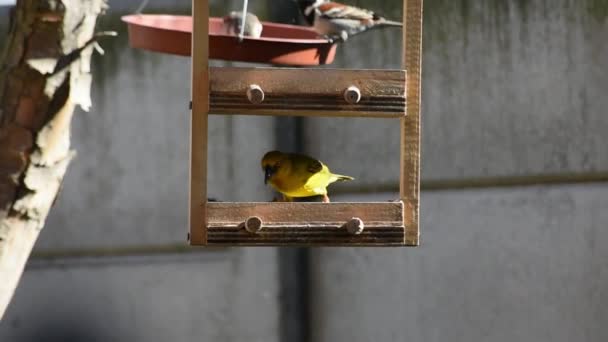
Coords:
44,75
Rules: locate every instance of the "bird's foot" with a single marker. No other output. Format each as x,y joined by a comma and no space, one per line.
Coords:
329,39
343,36
325,199
337,38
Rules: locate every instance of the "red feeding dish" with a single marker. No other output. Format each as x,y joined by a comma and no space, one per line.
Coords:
279,44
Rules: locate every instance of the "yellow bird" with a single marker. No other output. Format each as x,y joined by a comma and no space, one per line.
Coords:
298,175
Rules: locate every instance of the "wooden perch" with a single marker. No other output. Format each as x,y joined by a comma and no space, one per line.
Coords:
290,223
44,75
307,92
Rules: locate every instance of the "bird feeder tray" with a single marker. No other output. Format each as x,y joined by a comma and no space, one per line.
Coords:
366,224
280,44
303,92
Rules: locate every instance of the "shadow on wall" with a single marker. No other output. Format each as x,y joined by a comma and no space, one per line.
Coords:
61,329
4,15
73,322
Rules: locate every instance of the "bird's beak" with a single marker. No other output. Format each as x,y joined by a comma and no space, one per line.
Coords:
268,171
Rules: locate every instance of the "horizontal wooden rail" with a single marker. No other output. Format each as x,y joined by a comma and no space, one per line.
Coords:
308,92
306,224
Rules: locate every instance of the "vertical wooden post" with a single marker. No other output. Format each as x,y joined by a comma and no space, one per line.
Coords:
410,124
198,124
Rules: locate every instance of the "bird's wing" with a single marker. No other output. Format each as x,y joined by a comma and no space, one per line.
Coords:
337,10
318,177
314,166
305,164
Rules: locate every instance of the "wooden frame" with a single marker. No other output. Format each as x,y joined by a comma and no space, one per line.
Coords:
268,91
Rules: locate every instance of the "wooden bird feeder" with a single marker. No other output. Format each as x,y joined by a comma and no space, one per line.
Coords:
306,92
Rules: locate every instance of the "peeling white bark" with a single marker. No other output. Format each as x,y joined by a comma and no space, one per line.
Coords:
37,103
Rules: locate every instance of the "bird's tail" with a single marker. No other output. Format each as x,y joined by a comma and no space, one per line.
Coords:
341,178
385,22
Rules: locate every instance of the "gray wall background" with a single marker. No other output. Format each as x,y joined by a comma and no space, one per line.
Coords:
513,218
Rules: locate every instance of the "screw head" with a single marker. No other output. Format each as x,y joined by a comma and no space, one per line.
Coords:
255,94
352,95
253,224
354,226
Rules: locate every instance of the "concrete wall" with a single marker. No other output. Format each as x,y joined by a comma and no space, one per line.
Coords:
514,121
520,263
513,223
213,296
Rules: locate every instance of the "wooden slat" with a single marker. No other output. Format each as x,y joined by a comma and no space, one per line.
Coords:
198,121
305,224
308,92
304,212
314,235
410,124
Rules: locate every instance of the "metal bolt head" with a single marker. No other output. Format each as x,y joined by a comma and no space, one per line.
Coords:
255,94
352,95
354,226
253,224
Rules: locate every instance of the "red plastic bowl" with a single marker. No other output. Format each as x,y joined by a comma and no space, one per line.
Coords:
279,44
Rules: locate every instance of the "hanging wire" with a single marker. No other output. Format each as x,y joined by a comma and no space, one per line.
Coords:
142,6
243,19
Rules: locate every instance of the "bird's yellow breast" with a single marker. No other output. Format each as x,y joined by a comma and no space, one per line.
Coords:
301,184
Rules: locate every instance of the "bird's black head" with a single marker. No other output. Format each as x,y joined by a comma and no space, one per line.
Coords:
305,7
271,162
269,171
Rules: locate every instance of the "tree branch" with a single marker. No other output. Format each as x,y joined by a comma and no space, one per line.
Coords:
44,75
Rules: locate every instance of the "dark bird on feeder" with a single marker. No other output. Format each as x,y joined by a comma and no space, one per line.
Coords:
298,175
234,21
337,22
